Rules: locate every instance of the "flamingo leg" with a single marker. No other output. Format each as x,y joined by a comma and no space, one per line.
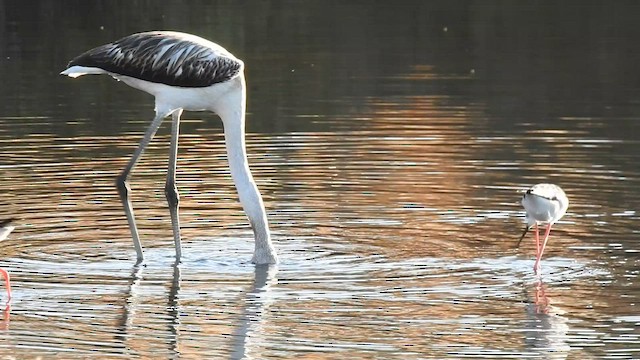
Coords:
122,183
544,244
170,189
7,282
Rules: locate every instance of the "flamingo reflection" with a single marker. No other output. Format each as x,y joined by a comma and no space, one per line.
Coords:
257,302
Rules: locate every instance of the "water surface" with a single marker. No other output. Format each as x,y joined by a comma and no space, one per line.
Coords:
391,143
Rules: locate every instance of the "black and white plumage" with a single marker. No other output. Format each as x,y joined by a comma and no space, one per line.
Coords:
170,58
544,204
183,72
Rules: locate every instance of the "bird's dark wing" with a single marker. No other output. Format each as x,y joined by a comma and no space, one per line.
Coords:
169,58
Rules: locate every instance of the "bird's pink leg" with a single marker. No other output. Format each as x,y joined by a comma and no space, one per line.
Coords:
537,239
7,282
536,266
535,269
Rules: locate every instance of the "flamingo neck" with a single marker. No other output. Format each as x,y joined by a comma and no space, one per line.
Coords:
231,109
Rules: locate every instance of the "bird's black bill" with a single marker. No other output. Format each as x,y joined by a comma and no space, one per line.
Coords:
526,228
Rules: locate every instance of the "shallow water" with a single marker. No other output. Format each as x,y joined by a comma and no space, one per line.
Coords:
391,146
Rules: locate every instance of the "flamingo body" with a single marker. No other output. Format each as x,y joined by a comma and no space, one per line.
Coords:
183,72
161,57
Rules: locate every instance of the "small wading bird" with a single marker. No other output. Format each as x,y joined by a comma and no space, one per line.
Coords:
183,72
544,203
6,227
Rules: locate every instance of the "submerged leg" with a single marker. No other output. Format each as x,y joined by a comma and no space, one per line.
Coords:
124,189
170,189
544,244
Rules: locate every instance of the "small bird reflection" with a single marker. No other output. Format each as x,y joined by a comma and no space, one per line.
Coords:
546,327
541,299
6,315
